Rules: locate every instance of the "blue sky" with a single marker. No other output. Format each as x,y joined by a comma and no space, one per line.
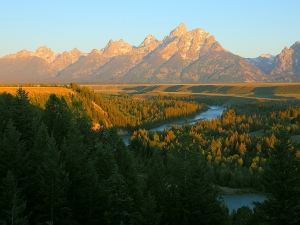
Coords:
245,28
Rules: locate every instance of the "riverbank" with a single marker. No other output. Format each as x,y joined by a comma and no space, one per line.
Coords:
212,112
237,191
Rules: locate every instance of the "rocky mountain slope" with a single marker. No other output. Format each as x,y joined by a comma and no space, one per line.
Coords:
282,67
181,57
264,62
41,65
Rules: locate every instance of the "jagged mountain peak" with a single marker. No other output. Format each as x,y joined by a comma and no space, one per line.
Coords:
75,51
43,48
116,43
148,40
46,53
178,31
200,31
115,48
183,56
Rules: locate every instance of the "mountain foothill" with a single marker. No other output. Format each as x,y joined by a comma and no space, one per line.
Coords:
181,57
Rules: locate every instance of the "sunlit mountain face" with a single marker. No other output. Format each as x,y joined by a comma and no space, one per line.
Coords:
181,57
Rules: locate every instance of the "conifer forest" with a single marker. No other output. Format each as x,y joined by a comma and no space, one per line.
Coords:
57,167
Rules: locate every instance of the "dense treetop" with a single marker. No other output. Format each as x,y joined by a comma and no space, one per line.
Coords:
55,169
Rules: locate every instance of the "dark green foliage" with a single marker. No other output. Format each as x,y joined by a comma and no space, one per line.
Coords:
156,179
53,186
281,182
148,214
120,203
35,157
5,110
68,173
23,115
190,178
11,202
242,216
57,117
91,196
12,154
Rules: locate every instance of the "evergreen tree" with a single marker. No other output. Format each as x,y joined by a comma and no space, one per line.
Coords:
281,182
192,198
35,159
53,187
58,118
23,116
148,214
156,180
82,121
75,154
12,156
12,204
5,110
120,203
93,197
242,216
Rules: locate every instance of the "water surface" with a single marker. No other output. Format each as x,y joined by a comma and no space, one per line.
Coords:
212,113
234,202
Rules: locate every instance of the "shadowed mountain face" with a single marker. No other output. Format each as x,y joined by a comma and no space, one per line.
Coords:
182,57
264,62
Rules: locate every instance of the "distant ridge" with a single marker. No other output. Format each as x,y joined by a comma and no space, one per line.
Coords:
181,57
283,67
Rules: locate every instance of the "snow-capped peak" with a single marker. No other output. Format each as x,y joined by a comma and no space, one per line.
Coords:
267,56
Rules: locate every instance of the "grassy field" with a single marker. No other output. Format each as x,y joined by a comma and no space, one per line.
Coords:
38,90
257,91
263,90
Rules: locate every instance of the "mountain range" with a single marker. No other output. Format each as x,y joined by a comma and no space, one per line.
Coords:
181,57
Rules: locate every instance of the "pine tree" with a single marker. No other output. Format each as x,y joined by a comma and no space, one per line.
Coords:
53,186
5,110
93,198
119,200
281,182
75,155
156,180
192,198
11,202
58,117
242,216
12,154
35,158
148,214
23,116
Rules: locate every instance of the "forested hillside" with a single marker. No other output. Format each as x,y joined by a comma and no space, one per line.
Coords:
117,110
236,146
55,169
126,112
